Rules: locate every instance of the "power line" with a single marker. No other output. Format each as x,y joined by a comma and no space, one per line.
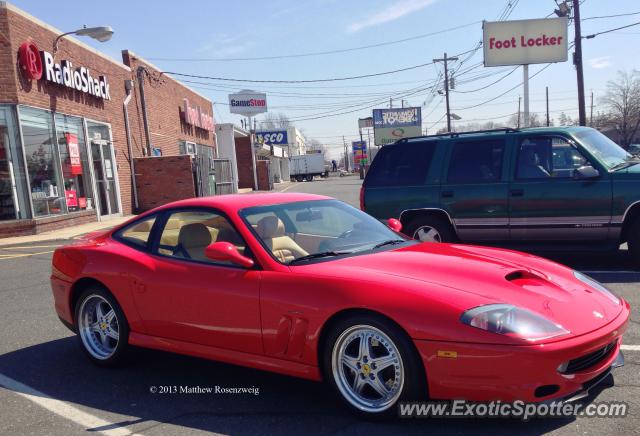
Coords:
317,53
611,16
489,85
593,35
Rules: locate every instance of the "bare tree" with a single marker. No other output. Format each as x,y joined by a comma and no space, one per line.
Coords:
276,121
623,101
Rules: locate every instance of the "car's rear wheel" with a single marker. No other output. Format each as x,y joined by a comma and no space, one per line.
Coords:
103,331
372,365
430,228
633,240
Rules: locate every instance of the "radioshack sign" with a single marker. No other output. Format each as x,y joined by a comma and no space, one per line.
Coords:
248,103
524,42
42,66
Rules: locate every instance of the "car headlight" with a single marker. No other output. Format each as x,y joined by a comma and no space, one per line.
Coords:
513,321
596,285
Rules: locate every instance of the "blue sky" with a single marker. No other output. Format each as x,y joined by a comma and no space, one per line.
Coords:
161,31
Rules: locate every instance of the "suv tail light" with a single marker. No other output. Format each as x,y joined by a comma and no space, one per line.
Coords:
362,198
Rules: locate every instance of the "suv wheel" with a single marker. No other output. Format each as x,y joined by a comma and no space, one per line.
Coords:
633,240
430,228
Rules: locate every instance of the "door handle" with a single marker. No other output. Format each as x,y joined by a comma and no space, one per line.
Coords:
517,192
447,194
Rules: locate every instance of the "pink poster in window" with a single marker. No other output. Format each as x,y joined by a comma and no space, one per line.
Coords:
74,154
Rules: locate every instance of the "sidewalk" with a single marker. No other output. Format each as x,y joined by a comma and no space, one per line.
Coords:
66,233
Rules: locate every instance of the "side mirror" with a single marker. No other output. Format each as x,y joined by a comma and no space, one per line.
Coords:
585,172
394,225
227,252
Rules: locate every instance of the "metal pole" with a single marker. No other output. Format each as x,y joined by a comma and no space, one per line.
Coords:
361,164
346,155
577,61
253,155
519,99
548,121
525,81
591,114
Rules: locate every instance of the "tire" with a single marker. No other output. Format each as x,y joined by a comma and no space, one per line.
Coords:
633,240
105,342
299,179
309,178
430,228
373,398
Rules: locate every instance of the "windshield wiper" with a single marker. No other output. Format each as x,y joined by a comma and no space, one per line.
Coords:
389,242
625,164
319,255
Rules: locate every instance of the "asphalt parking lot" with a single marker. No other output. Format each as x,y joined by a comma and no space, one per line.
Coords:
49,386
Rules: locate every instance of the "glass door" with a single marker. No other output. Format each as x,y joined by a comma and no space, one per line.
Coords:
104,169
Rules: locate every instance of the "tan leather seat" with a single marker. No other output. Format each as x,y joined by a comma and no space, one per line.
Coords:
192,240
271,231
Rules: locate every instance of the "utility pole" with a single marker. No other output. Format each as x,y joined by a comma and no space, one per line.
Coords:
591,114
445,60
547,92
577,61
346,155
390,102
519,98
525,81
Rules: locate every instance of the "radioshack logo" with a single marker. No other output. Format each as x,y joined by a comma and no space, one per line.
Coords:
42,66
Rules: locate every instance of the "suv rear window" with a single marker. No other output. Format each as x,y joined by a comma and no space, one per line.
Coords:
476,161
401,164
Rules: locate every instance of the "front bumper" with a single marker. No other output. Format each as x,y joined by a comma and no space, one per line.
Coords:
486,372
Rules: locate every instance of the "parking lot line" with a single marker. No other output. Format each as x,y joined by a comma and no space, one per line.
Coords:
630,347
25,247
15,256
89,422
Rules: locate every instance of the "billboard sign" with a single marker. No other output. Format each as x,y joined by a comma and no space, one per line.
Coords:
276,137
389,125
248,103
524,42
364,123
359,152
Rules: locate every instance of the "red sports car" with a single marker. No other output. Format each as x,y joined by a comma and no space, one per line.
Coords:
308,286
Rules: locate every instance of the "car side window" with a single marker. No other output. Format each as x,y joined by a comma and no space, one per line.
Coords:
137,234
548,157
404,164
476,161
187,233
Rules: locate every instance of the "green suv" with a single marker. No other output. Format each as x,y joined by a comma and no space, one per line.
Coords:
567,187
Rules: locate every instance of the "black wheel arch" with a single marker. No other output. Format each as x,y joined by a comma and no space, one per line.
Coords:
407,216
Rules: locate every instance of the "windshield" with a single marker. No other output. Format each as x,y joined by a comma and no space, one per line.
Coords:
306,230
602,148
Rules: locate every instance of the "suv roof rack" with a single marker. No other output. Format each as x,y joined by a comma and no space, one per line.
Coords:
456,134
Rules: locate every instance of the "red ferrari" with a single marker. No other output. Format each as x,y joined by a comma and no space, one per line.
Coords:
308,286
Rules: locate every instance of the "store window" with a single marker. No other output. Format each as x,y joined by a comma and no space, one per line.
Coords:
75,163
43,165
7,205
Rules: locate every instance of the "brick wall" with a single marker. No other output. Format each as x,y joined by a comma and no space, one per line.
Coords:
264,179
164,98
245,163
46,224
163,179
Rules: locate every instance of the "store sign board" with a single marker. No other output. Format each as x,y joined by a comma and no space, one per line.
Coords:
390,125
194,116
359,152
44,67
523,42
248,103
74,154
277,137
364,123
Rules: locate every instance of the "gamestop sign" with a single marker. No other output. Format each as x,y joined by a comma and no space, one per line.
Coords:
525,42
248,103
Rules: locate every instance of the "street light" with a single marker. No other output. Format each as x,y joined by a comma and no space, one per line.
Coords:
100,33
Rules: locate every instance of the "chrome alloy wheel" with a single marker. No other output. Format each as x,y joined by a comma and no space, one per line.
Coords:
427,234
98,327
367,368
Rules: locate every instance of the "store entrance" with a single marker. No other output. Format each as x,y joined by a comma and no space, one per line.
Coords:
104,170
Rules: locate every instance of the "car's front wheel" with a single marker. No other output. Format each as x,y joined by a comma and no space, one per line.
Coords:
102,328
372,365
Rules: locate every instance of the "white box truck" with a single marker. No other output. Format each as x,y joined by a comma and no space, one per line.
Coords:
305,166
